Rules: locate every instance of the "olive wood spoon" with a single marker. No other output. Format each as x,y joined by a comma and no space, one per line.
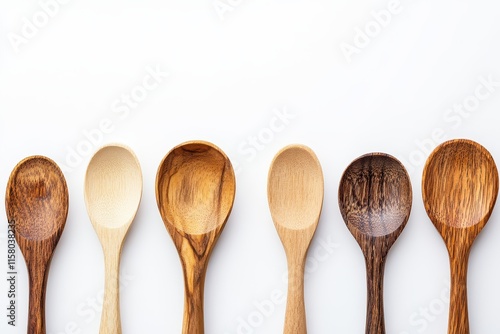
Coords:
37,205
113,190
375,198
459,190
295,194
195,189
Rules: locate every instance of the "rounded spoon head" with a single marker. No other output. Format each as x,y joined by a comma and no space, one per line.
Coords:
37,200
113,187
295,188
375,196
459,185
195,188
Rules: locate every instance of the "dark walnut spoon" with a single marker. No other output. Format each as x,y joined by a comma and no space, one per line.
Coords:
37,203
459,189
375,198
195,189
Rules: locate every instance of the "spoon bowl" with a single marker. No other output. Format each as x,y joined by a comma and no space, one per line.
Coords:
459,190
295,190
455,168
375,198
113,188
113,191
37,204
195,189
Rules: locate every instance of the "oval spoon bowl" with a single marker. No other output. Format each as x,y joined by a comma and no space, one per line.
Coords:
113,187
466,172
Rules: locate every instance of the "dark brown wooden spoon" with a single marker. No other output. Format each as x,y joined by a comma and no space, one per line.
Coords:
375,198
37,203
459,189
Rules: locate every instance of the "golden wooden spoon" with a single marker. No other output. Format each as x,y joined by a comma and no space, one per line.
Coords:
375,199
295,195
459,189
195,189
37,205
113,190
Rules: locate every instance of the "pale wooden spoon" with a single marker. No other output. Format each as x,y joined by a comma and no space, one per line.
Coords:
295,194
375,198
459,189
113,190
37,205
195,189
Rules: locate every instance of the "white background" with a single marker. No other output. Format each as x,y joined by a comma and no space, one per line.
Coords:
230,73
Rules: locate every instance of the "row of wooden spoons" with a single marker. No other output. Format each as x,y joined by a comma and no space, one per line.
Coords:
195,189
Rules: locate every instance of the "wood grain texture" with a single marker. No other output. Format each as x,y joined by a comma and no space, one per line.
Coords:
295,193
113,191
195,189
375,198
459,190
37,203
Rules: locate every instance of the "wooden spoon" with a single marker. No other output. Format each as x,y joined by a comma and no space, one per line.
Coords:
113,190
459,189
375,198
37,205
295,195
195,189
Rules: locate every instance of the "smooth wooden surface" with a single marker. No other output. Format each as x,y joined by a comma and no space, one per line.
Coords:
195,189
113,191
37,202
459,190
295,193
375,198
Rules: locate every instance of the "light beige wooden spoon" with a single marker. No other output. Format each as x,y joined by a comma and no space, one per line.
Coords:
295,195
113,190
195,188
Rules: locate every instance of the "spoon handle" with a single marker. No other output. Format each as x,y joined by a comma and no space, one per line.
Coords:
194,281
295,318
375,264
38,272
110,318
458,321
